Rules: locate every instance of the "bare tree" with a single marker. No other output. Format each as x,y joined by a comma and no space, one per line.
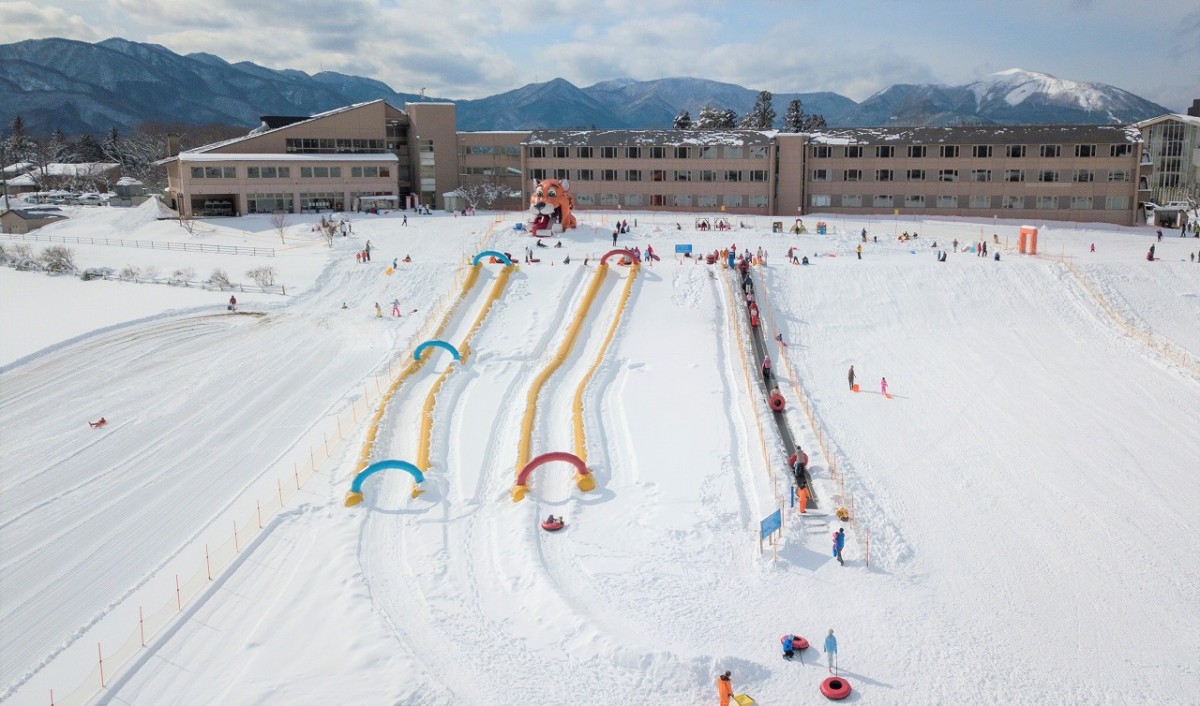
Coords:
279,220
484,193
263,276
187,221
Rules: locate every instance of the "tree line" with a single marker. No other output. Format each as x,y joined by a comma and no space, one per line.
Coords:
760,117
136,152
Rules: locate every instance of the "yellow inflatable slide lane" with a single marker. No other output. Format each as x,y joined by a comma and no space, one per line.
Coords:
535,389
409,370
464,349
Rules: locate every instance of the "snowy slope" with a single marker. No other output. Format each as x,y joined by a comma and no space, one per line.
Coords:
1018,491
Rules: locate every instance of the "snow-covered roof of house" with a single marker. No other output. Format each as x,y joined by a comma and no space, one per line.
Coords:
22,180
649,138
62,168
129,181
258,131
976,134
1178,117
286,157
29,214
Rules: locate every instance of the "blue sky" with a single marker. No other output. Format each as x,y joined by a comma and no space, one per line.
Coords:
474,48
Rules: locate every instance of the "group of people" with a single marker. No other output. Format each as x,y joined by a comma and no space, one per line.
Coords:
725,681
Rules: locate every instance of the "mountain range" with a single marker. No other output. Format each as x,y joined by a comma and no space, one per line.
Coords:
82,87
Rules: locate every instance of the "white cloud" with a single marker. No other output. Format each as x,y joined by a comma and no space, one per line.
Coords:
23,20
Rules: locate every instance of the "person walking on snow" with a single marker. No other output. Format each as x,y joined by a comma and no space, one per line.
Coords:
232,303
404,221
725,688
396,307
858,249
830,649
378,311
883,386
839,543
851,376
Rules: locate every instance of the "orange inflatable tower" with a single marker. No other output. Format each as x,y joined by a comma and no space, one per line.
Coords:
1027,240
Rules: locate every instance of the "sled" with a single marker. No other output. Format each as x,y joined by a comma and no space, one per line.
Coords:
389,271
229,307
743,700
855,387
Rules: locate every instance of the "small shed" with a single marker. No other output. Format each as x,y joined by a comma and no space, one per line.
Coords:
23,221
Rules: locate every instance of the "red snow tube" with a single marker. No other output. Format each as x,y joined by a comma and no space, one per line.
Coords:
552,526
798,643
835,688
777,402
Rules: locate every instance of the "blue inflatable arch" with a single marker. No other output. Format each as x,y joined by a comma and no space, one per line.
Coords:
498,255
364,474
438,344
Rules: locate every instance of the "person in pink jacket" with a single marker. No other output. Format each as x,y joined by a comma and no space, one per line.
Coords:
883,386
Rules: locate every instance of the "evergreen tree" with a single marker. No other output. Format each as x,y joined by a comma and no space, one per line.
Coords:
683,121
18,146
728,119
87,149
814,122
793,119
762,115
59,150
708,119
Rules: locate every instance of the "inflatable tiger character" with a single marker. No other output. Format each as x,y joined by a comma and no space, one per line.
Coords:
551,202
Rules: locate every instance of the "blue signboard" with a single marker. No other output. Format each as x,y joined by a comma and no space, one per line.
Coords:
682,248
773,523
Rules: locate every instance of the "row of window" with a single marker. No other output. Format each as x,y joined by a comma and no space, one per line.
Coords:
1042,203
953,151
701,175
659,152
977,175
673,200
314,201
510,150
333,145
286,172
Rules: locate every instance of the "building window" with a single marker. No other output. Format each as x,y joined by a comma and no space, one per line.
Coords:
268,203
852,175
586,175
561,152
473,149
1120,150
758,152
511,151
883,202
683,175
706,201
1085,150
734,200
820,151
683,199
561,174
658,200
883,175
658,153
368,172
585,199
197,172
1081,203
1083,176
608,152
948,151
1013,202
658,175
681,153
981,151
916,151
981,201
733,152
981,175
947,175
758,175
820,175
634,200
1051,150
584,152
1116,203
608,174
1047,203
854,151
852,200
885,151
947,202
609,200
633,175
219,173
1118,175
537,174
820,200
758,201
321,202
914,202
1014,151
1014,175
710,152
1047,175
733,175
537,152
633,152
708,175
915,175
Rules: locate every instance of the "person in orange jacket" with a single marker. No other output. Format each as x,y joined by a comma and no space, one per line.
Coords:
725,688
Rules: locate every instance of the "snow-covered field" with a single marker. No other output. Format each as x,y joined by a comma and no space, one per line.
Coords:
1029,493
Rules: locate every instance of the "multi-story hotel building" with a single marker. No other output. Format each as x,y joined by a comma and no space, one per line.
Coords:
365,153
1173,148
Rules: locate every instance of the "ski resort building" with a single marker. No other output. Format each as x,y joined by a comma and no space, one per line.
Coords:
1173,150
372,155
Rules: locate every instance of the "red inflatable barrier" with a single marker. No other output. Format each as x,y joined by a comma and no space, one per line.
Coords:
835,688
777,402
798,643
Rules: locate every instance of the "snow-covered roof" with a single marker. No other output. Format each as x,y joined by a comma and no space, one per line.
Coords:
61,168
1177,117
36,215
286,157
258,132
977,134
22,180
128,181
649,138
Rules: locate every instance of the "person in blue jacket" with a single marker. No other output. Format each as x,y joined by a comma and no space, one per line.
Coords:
839,543
830,649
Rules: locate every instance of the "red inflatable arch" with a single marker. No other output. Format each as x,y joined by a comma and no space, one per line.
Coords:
610,253
583,477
